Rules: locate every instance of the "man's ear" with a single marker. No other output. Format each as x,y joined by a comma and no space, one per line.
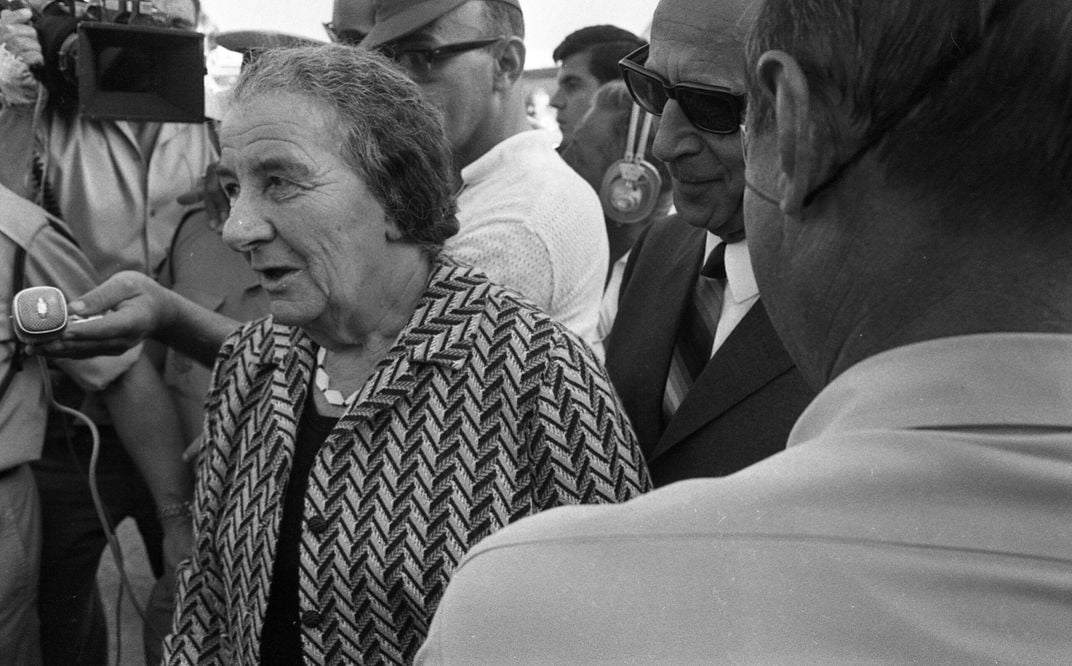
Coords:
783,80
509,62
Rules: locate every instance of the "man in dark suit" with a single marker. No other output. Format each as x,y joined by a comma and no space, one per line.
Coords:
706,381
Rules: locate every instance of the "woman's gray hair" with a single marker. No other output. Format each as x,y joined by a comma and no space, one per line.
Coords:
390,135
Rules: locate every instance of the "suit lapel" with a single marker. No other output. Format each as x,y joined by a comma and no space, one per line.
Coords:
751,357
642,341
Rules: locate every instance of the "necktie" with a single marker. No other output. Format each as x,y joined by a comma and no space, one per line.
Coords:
696,331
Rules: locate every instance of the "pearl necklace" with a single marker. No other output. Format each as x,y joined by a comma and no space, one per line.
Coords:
323,381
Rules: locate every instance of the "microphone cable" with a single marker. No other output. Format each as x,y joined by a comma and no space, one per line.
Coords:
98,504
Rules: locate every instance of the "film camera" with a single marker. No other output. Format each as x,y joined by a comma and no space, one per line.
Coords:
113,59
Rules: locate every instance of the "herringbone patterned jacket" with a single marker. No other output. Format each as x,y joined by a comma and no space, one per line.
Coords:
483,412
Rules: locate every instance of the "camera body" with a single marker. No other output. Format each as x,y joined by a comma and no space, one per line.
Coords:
113,59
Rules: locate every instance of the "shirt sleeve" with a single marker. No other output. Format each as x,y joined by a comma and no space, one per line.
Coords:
584,448
53,259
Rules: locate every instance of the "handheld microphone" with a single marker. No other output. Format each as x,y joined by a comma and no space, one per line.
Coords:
40,314
631,185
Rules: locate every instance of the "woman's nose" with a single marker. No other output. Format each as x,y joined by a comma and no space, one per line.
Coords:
245,228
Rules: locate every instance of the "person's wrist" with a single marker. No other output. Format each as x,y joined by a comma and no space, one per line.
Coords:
175,511
165,305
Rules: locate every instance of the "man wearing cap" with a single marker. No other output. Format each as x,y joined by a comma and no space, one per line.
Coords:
706,382
527,219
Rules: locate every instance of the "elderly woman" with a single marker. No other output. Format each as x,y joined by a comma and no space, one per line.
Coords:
394,409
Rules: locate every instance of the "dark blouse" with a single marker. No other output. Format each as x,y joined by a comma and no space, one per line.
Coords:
281,639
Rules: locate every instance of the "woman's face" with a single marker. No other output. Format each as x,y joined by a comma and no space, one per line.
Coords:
311,230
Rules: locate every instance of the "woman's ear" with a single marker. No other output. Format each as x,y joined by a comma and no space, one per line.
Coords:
509,62
783,80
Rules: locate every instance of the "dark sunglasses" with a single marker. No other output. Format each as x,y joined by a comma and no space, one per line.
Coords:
710,108
420,61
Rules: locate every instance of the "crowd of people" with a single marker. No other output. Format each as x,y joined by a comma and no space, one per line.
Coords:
791,297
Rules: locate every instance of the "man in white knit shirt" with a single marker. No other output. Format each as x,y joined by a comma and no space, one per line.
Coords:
527,219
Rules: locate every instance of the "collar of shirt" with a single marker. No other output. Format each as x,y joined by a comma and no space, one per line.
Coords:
740,281
1005,380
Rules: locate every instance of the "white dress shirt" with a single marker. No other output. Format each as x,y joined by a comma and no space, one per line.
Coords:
740,291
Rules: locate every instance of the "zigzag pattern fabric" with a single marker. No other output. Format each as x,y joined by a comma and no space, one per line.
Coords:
483,412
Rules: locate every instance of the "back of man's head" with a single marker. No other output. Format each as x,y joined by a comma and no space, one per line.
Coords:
605,45
968,100
920,156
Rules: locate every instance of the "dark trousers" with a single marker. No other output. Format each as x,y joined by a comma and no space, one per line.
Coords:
73,624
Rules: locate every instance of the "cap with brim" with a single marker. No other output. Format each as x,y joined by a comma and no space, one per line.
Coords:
397,18
244,41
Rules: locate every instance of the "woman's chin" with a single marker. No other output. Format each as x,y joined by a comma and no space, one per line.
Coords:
290,313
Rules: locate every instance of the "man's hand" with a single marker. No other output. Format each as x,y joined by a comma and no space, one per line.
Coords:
209,193
19,51
133,306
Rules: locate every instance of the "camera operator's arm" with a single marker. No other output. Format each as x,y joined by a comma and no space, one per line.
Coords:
19,89
19,51
135,307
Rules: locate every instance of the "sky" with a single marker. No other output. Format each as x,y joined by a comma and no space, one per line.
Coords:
546,21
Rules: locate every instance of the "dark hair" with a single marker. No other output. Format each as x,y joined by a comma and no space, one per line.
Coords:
504,19
605,44
391,136
968,100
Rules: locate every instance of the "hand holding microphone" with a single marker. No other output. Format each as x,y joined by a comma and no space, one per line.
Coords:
41,314
106,321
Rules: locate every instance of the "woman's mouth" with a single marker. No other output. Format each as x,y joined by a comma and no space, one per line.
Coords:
275,274
275,278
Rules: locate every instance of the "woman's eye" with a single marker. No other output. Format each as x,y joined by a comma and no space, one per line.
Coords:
279,187
275,183
231,190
